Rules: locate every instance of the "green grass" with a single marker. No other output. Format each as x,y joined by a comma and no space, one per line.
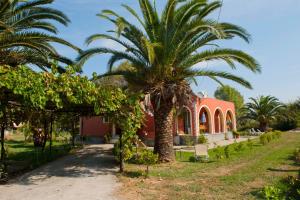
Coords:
241,176
22,156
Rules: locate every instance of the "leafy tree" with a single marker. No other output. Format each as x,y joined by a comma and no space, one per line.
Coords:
163,51
26,33
263,109
228,93
289,117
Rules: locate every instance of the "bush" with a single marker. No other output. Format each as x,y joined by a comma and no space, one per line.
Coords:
250,144
145,157
218,153
263,139
239,147
127,152
296,156
236,134
202,139
227,151
271,193
285,124
188,140
107,138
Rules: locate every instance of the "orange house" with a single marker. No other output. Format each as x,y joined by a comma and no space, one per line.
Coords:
203,116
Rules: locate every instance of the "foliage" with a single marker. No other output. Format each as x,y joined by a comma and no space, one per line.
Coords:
296,156
27,31
227,151
228,93
268,137
288,118
218,151
145,157
250,144
263,109
188,140
163,50
271,193
236,134
107,138
202,139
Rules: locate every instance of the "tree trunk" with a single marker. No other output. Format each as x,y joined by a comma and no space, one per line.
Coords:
51,130
164,119
263,126
2,143
45,134
3,126
121,153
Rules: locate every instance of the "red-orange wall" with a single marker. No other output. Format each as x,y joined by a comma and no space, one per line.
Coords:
95,127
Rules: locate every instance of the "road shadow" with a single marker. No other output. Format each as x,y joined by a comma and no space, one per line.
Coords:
90,161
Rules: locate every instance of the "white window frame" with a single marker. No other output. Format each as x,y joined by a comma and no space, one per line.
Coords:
105,120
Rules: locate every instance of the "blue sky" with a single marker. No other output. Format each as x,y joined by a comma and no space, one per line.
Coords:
273,24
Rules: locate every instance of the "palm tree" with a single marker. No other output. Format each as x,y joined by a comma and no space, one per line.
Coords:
26,33
263,109
163,51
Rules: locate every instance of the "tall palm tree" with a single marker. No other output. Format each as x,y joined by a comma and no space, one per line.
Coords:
263,109
27,31
164,48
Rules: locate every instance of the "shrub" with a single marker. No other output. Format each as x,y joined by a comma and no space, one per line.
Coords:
263,139
277,134
145,157
227,151
250,144
202,139
239,147
107,138
269,137
236,134
296,156
271,193
127,152
218,153
188,140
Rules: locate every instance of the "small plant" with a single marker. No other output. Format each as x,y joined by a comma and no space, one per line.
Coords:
202,139
107,138
249,144
271,193
226,136
218,153
296,156
239,146
236,134
227,151
188,141
145,157
263,139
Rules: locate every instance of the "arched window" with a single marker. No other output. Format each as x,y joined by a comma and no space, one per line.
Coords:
204,121
219,121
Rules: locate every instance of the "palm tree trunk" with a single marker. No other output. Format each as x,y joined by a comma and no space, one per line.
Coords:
263,126
164,119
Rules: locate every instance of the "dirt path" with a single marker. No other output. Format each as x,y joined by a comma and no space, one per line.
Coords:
89,174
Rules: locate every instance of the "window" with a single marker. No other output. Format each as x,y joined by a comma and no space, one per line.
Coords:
105,120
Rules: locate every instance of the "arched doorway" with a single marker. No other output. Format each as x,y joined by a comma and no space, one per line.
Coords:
219,121
205,125
229,121
184,123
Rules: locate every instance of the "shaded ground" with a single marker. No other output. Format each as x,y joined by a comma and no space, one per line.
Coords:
88,174
241,176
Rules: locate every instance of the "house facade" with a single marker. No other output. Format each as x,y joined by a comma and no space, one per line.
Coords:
203,116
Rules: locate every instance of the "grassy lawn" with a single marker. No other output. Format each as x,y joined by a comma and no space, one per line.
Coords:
239,177
22,156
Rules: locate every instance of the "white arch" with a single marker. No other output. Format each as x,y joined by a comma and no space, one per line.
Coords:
223,119
191,119
211,124
233,119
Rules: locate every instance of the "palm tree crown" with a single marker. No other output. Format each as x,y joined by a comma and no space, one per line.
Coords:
164,49
263,109
24,28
